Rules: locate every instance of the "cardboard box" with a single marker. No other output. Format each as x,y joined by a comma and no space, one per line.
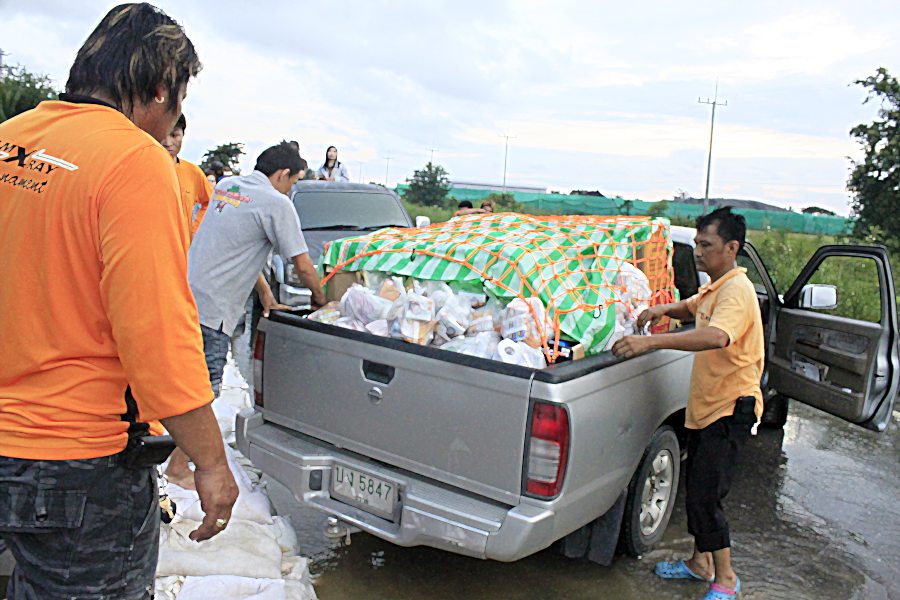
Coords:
340,283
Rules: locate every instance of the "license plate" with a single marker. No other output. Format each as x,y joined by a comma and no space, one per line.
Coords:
361,489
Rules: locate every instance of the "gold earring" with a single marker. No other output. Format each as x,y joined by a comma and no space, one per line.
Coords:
160,99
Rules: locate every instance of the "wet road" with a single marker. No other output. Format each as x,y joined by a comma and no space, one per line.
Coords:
815,513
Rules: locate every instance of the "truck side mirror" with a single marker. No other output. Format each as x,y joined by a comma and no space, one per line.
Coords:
818,296
423,221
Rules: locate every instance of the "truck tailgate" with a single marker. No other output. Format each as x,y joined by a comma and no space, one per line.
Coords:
451,422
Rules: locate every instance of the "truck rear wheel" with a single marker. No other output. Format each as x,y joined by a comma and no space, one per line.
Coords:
651,493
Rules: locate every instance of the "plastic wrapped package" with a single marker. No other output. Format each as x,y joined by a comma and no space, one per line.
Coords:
391,289
524,321
633,299
475,299
452,320
375,279
411,318
379,327
350,323
519,353
329,313
482,345
438,291
485,318
363,305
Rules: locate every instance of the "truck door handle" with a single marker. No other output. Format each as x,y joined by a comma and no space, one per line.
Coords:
377,372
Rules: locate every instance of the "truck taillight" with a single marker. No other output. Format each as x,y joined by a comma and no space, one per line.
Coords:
258,350
548,449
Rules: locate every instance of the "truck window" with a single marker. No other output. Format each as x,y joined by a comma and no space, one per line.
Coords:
351,209
753,274
685,271
858,287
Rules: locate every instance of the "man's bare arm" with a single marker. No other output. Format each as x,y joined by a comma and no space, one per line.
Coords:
697,340
675,310
306,271
197,434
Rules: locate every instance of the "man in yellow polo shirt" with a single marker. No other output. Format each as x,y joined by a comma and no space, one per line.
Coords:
725,399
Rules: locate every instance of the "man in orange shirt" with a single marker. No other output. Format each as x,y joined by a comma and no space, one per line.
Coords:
725,401
99,333
195,187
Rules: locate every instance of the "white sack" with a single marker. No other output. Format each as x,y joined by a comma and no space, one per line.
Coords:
243,548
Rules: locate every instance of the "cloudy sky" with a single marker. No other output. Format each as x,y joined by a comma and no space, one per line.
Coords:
594,95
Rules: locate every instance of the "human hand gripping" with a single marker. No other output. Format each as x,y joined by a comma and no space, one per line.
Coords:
652,315
270,304
632,345
218,493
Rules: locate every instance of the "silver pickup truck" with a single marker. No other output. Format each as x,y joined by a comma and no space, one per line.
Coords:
421,446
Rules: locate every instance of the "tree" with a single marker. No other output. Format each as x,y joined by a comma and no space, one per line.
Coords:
428,186
817,210
504,202
658,209
228,154
21,90
875,182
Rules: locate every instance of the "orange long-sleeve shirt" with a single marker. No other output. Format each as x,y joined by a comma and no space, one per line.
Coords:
93,284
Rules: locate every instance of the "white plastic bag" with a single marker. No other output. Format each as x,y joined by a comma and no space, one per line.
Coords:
452,320
482,345
485,318
363,305
524,321
438,291
411,318
519,353
350,323
379,327
632,298
328,314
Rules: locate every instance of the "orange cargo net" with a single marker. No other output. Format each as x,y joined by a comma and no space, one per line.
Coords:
579,266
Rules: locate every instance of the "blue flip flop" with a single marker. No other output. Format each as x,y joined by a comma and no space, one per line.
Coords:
677,570
720,592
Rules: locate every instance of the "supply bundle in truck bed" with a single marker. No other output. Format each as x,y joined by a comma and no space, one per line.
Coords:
581,279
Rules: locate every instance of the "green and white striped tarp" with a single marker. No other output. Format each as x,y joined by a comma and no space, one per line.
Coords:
570,263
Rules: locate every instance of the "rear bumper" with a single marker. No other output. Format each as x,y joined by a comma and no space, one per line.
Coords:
429,514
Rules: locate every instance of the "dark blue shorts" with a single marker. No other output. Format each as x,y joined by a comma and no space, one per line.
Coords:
79,529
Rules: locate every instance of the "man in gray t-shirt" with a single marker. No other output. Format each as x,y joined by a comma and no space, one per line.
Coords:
248,217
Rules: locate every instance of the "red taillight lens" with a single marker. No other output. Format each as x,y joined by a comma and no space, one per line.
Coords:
548,449
258,350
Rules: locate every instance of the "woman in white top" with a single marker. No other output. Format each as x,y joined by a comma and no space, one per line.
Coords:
333,169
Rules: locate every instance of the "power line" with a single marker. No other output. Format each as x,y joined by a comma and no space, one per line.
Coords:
387,166
714,102
505,154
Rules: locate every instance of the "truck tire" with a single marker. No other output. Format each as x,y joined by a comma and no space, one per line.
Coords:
651,493
775,412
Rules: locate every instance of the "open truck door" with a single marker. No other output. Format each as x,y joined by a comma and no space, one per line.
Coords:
834,346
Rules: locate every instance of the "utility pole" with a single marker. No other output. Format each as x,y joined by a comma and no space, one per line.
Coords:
360,172
714,102
2,54
505,155
386,167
